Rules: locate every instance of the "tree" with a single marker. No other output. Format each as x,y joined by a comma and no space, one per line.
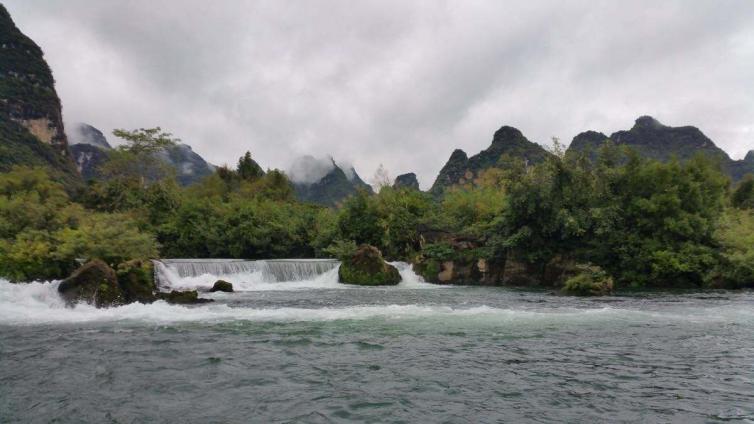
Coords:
381,178
743,195
138,157
145,141
248,169
359,220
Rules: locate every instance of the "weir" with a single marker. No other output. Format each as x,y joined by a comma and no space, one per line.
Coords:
270,270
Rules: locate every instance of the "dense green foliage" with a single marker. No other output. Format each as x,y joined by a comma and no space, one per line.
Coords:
366,267
43,233
645,223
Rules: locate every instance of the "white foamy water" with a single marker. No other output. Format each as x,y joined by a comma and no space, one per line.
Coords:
39,303
266,275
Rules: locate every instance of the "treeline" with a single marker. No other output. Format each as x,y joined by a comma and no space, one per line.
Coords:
637,222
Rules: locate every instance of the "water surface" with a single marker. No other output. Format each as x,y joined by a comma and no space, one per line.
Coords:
315,351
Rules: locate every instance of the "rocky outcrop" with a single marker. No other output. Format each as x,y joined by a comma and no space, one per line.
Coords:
408,181
651,139
98,284
455,171
367,268
95,283
507,142
31,123
222,286
88,158
86,134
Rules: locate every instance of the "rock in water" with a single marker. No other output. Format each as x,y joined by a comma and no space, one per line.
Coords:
188,297
136,279
367,268
95,283
223,286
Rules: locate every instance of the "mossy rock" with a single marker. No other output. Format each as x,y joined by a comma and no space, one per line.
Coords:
94,283
223,286
367,268
589,281
429,269
188,297
136,279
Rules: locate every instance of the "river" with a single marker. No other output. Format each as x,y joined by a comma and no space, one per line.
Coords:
314,351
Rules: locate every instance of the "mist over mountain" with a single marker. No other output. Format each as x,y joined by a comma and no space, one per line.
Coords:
323,181
89,150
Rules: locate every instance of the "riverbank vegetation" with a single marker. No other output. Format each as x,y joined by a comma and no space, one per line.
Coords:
634,221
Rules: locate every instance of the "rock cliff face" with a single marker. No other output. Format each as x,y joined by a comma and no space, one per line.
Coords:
507,142
31,122
652,139
406,181
88,149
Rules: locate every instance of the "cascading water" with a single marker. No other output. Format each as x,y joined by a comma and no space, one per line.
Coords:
261,274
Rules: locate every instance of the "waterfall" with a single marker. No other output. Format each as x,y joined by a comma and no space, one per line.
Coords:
200,272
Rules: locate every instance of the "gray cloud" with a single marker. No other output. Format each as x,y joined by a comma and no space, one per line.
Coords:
394,82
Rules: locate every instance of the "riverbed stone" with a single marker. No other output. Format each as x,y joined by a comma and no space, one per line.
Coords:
367,268
223,286
176,297
95,283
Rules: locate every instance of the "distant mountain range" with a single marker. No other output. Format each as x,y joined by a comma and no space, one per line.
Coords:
89,148
324,182
651,139
32,134
648,137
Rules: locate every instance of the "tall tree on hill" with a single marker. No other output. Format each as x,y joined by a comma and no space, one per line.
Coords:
248,169
137,157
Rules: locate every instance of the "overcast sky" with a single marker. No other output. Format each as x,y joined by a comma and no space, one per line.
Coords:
401,83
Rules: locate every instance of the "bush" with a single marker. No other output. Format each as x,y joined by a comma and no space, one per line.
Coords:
589,281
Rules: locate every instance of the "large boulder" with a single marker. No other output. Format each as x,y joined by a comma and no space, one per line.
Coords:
367,268
136,279
223,286
95,283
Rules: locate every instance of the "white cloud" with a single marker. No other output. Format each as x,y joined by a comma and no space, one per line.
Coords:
393,82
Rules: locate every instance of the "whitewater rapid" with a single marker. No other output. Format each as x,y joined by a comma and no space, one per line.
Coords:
39,303
278,275
308,290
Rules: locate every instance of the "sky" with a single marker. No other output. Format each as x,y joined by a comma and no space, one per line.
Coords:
399,83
